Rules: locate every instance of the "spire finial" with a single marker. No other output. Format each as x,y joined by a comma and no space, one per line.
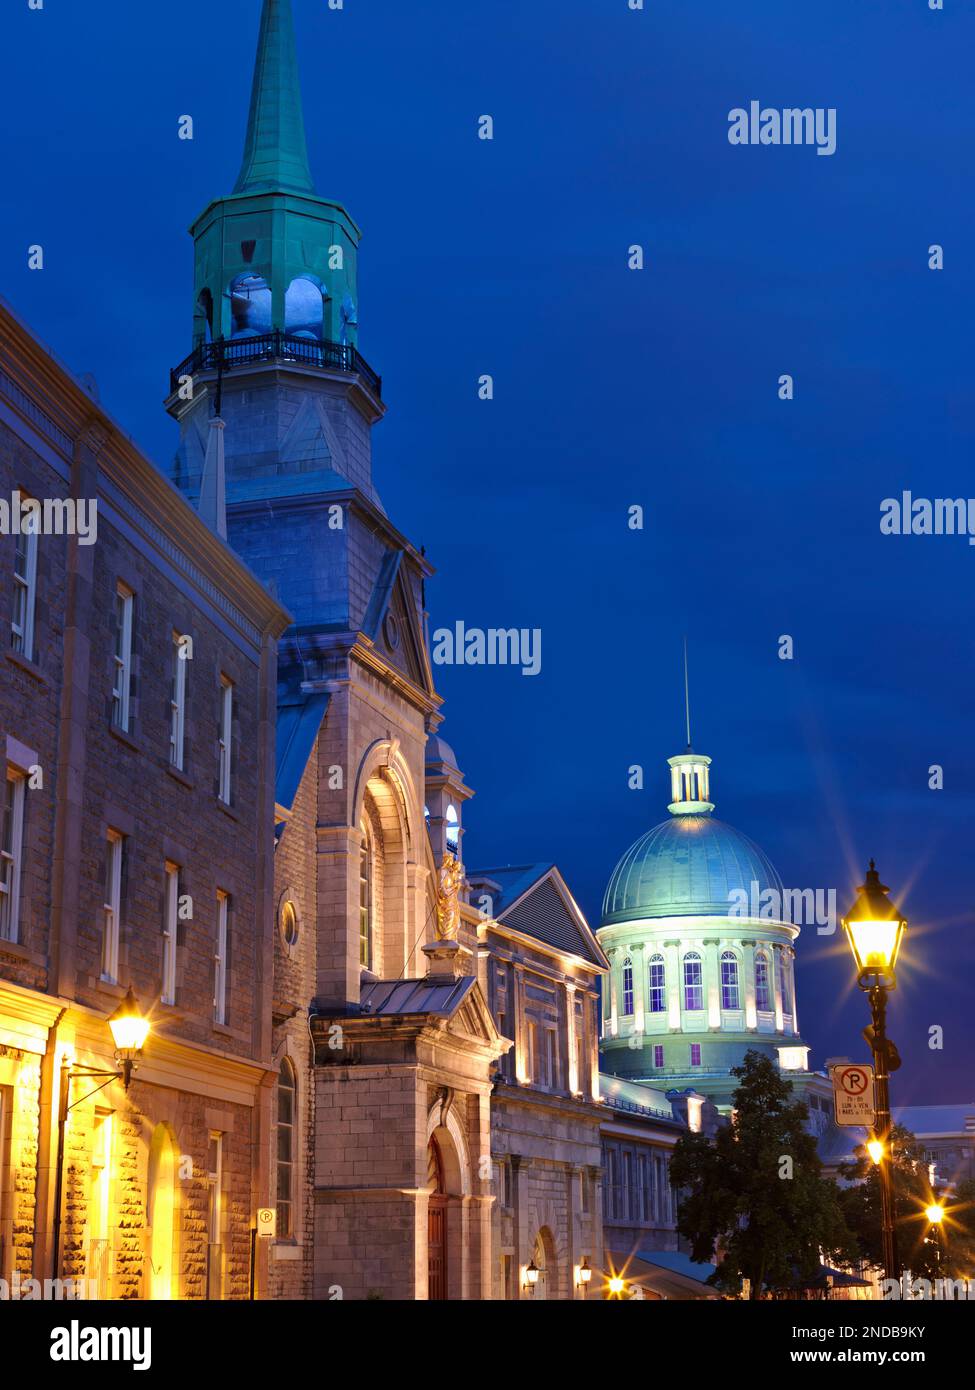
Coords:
275,153
687,697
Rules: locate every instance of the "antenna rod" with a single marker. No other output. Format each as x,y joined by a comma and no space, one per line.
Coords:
687,696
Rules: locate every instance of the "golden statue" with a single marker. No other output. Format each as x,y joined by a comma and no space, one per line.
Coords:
448,910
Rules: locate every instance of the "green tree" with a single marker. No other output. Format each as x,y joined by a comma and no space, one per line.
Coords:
756,1192
946,1254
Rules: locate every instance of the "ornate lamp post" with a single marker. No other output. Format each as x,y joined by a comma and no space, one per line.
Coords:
875,929
130,1028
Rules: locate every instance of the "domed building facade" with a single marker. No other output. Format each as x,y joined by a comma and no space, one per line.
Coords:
702,962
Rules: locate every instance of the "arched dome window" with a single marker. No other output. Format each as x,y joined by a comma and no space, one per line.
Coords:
365,897
763,987
657,981
304,308
453,829
693,981
729,980
627,986
250,306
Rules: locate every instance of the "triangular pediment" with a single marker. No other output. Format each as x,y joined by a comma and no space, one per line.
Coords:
394,623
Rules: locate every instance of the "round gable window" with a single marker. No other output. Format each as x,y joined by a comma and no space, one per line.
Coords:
288,924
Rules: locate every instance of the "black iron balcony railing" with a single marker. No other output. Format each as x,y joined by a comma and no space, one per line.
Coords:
225,354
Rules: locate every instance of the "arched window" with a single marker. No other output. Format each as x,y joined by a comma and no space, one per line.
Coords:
304,308
365,897
657,993
453,829
729,980
627,986
287,1118
693,981
250,306
763,989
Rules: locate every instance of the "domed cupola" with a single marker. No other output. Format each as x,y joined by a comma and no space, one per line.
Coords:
692,865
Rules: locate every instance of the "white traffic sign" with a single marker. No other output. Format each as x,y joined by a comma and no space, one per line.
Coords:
853,1094
266,1221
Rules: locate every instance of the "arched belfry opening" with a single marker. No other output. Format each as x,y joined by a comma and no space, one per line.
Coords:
250,306
304,308
203,318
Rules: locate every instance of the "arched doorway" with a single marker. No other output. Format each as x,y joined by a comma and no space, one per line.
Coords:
161,1210
543,1257
436,1223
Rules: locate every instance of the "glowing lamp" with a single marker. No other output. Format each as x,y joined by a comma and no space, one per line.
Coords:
617,1285
876,1150
583,1272
935,1213
130,1028
875,929
531,1275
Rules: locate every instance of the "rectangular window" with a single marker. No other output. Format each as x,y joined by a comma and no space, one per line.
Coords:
177,704
11,854
226,735
220,958
25,594
124,603
170,923
100,1210
695,1054
729,981
658,1054
215,1217
627,989
507,1280
113,906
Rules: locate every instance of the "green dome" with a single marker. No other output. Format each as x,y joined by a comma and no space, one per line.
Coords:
688,866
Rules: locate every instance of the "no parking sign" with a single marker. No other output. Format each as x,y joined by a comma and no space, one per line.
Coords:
853,1094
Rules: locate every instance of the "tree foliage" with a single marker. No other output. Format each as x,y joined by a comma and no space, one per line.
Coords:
756,1194
949,1253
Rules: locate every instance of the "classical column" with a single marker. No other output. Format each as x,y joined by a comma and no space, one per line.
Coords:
614,1026
790,965
590,1044
672,959
572,1061
748,958
776,967
712,982
521,1031
638,957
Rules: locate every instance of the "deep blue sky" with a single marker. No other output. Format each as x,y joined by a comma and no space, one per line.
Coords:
612,388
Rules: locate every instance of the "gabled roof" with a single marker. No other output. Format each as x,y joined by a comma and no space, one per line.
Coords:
535,901
300,717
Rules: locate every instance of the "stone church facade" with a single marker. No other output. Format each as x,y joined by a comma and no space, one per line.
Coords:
392,1052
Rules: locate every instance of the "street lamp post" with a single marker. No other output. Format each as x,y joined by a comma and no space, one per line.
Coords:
129,1028
875,929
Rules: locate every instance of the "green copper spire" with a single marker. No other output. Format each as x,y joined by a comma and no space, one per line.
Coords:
275,154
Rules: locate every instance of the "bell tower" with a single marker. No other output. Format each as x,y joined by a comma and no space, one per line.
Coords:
275,403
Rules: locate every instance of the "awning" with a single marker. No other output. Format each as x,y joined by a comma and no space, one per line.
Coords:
674,1280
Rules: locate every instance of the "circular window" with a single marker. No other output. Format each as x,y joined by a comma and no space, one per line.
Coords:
391,631
288,922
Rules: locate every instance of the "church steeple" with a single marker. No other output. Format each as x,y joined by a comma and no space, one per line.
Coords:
275,153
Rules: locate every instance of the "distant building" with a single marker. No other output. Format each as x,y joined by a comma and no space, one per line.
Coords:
946,1135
